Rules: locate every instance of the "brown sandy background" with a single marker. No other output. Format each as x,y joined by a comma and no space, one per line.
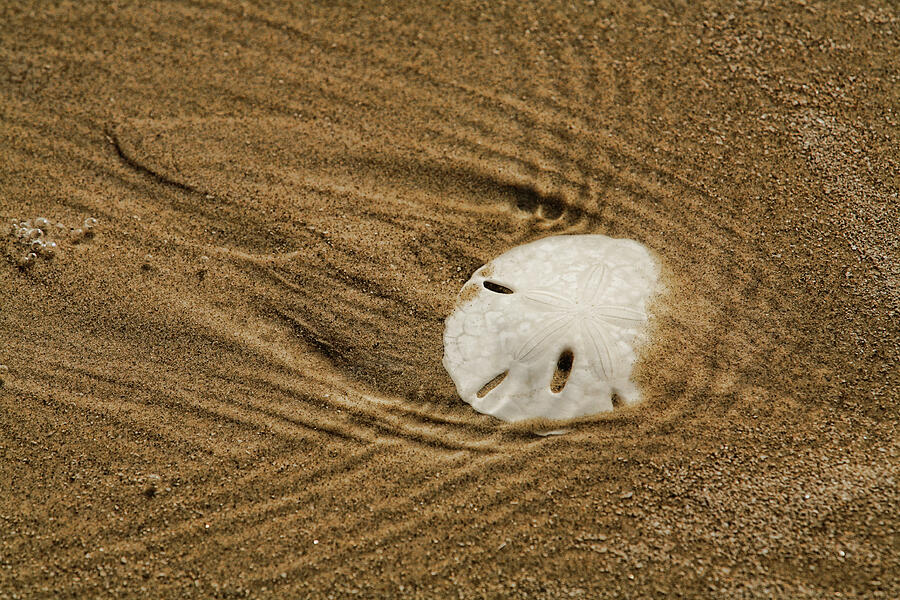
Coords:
235,390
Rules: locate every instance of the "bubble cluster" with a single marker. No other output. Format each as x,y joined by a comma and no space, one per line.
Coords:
40,238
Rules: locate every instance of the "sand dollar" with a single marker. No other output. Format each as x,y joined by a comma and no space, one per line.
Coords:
548,329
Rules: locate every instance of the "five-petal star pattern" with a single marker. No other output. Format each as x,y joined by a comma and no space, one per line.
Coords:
586,315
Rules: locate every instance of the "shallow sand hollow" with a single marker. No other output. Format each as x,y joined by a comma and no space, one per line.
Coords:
234,388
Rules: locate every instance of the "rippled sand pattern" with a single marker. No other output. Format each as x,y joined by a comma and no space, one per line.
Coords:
235,388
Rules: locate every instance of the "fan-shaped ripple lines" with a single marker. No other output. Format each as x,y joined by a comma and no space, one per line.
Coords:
472,430
518,485
210,410
727,269
675,188
363,420
372,421
523,158
649,198
380,525
287,513
712,216
644,219
434,101
491,518
271,516
243,513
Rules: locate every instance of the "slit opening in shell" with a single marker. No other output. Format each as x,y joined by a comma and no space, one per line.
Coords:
496,288
616,400
562,371
490,385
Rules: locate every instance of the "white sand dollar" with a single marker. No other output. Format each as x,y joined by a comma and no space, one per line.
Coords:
548,329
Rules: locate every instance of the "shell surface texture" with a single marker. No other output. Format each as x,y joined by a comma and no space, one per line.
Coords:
548,329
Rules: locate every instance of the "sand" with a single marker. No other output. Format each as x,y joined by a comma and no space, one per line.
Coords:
234,388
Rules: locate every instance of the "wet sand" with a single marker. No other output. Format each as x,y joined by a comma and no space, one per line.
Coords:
234,387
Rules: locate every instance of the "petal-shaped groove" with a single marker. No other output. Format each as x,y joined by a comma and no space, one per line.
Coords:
545,300
591,284
598,342
619,316
552,329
